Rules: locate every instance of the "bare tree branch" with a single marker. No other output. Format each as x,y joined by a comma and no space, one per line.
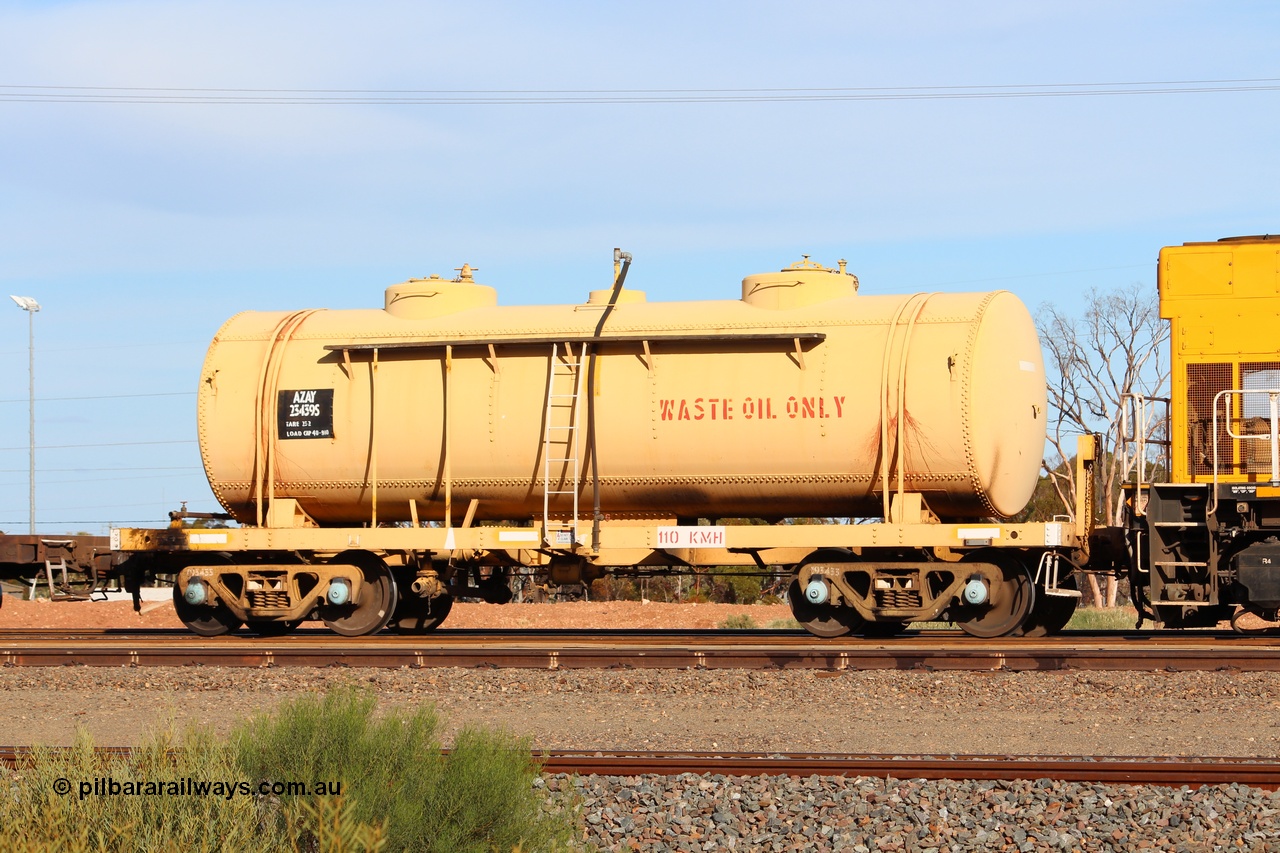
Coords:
1093,363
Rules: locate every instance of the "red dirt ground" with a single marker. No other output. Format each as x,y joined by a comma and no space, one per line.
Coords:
16,613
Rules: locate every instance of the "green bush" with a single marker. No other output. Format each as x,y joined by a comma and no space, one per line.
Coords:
1105,619
479,797
37,818
695,595
614,588
399,790
738,586
739,622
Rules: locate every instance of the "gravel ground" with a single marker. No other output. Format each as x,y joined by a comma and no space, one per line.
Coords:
1145,714
1161,713
697,813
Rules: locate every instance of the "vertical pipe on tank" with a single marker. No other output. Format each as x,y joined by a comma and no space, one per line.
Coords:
259,440
621,263
884,402
262,441
373,435
448,419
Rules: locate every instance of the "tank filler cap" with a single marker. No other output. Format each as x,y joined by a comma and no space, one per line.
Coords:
805,264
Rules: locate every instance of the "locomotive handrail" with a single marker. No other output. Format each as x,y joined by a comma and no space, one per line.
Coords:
810,338
1134,430
1272,435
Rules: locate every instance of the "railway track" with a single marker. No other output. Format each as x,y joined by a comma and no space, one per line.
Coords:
578,649
1170,772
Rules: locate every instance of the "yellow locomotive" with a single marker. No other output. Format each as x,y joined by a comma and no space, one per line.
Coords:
1205,546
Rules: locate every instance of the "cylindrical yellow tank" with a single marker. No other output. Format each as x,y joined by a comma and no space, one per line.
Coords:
783,403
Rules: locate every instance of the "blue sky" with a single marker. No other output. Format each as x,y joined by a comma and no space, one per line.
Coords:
140,227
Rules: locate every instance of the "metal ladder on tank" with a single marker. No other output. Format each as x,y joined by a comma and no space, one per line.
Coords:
560,443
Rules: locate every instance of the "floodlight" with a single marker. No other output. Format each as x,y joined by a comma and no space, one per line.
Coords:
28,304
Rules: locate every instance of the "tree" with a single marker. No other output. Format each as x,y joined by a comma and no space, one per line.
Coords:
1094,365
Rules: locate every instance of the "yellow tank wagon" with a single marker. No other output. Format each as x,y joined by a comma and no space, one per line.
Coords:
380,462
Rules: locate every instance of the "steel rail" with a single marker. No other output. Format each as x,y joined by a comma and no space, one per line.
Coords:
1121,770
520,649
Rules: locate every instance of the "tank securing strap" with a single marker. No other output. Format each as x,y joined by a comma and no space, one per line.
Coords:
915,304
265,418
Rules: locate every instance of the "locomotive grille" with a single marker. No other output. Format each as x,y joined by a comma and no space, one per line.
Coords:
268,598
1204,381
898,599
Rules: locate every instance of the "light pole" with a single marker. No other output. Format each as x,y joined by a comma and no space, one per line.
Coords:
26,303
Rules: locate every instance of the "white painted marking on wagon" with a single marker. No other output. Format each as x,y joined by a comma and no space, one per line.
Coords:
690,537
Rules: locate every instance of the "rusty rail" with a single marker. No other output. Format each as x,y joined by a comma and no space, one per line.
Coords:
1169,772
932,651
1173,772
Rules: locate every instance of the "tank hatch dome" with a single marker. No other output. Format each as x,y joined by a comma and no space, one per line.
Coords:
423,298
803,283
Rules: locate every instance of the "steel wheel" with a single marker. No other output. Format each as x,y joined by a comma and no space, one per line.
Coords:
822,620
1011,600
1051,613
377,598
419,615
202,619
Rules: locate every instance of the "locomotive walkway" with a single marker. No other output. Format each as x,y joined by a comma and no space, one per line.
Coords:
533,649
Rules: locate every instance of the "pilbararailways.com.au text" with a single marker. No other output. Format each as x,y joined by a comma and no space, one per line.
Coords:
188,787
